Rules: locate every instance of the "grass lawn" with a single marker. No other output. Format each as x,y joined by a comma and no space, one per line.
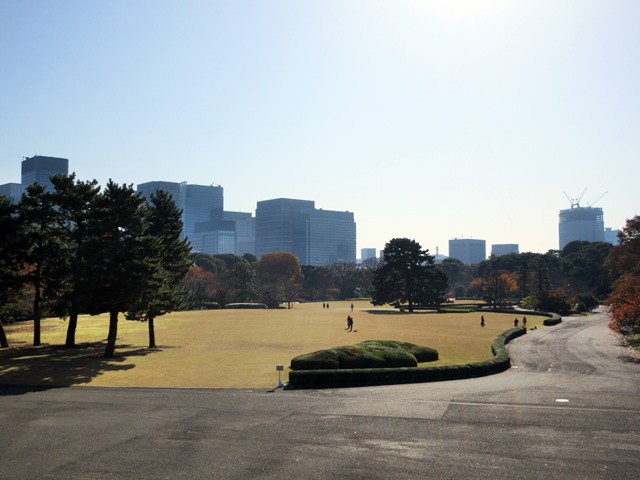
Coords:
233,348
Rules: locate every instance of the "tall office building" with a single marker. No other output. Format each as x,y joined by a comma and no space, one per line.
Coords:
207,226
40,169
245,231
199,203
498,249
203,204
468,251
214,237
581,223
178,192
13,191
317,237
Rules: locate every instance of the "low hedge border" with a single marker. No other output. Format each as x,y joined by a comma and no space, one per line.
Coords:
551,320
340,378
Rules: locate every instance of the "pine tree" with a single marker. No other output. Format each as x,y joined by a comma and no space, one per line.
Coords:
10,243
43,248
75,201
118,246
167,258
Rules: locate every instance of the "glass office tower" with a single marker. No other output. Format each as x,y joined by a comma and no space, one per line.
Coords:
40,169
317,237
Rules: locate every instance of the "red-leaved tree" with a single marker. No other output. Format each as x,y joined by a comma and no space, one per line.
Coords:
625,299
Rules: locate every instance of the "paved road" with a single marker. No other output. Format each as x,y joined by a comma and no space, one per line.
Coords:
569,410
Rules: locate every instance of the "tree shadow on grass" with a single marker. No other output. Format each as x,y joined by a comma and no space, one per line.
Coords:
57,366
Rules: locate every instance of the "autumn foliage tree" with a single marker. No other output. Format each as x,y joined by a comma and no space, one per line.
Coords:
200,286
279,277
498,286
625,298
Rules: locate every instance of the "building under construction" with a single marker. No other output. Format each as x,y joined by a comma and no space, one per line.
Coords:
581,223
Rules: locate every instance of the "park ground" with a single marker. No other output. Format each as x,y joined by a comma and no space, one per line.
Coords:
234,348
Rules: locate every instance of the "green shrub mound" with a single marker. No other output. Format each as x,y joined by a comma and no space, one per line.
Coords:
355,377
368,354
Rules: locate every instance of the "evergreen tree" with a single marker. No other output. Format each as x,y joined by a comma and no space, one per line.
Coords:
76,203
167,260
118,245
10,243
407,275
43,247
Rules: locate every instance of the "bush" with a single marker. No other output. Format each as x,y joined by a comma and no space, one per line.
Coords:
368,354
586,303
352,377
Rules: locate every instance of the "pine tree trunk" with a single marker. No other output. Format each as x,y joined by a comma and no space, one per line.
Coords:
36,317
113,333
152,334
36,308
71,328
3,338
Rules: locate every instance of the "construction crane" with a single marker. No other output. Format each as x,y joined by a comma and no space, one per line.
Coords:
594,201
575,202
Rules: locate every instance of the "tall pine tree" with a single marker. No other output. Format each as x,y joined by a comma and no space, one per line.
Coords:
168,260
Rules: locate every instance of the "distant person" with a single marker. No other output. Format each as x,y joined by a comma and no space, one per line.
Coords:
349,323
515,322
482,321
524,322
352,307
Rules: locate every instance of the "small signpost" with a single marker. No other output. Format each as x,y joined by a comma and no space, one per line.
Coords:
280,369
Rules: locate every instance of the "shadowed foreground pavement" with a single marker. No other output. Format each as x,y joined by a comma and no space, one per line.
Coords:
569,409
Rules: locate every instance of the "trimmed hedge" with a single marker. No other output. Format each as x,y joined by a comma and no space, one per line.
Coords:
367,354
554,319
551,320
246,305
332,378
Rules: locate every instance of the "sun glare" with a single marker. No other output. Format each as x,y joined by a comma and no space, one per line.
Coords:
462,9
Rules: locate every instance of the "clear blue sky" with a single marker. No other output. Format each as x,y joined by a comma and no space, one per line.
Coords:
427,119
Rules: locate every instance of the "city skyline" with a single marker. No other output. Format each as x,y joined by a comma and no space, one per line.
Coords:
429,120
204,203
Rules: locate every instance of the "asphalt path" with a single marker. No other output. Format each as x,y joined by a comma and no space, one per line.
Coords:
568,409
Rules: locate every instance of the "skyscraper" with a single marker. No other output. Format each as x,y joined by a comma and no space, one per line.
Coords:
178,192
581,223
40,169
203,203
214,237
245,231
199,203
317,237
468,251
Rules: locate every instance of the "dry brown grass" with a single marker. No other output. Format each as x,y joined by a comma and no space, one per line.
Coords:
233,348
